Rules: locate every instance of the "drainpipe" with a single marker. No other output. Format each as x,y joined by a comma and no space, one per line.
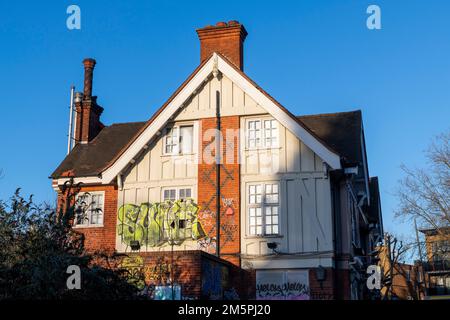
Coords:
218,160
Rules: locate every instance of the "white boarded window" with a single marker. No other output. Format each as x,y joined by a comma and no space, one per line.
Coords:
179,140
263,209
186,139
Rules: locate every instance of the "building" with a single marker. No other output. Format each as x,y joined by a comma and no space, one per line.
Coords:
437,267
288,198
400,281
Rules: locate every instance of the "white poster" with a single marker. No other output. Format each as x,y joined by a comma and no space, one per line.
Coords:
282,285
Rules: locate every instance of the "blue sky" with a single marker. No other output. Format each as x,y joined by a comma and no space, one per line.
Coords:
312,56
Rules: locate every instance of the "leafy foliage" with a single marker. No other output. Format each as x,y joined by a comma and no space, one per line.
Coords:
37,244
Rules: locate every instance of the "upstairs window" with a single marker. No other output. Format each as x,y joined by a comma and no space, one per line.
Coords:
263,209
178,140
262,134
89,209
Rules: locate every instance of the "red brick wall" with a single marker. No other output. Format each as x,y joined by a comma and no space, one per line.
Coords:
101,238
186,269
230,189
324,290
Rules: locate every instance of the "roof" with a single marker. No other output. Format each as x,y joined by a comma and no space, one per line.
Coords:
375,201
341,131
91,158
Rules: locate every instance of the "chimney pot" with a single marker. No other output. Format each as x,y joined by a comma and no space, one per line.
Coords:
221,24
89,65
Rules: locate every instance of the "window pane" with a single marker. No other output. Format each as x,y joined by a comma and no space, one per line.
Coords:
186,134
188,193
253,230
268,230
275,229
252,212
258,230
258,212
259,221
252,221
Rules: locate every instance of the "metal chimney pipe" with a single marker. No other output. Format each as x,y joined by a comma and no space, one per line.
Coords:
69,136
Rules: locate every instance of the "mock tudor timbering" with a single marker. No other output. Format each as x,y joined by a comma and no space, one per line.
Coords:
291,210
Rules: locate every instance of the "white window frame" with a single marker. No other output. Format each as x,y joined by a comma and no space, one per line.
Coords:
177,192
260,135
177,145
257,209
89,224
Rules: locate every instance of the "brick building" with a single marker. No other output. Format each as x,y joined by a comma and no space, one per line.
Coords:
223,174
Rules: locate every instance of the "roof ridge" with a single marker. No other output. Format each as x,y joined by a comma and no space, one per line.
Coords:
329,114
131,122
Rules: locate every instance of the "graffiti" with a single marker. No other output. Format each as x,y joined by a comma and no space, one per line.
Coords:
168,222
134,265
281,285
289,290
228,204
207,244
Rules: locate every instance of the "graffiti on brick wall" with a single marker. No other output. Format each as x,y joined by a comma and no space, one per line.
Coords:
156,224
280,285
160,279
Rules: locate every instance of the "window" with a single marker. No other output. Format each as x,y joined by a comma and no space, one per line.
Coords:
270,133
265,137
254,134
174,194
89,209
179,140
263,209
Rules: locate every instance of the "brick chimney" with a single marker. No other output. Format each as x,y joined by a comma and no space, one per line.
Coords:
87,124
225,38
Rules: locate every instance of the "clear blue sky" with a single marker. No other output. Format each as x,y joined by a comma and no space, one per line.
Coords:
313,56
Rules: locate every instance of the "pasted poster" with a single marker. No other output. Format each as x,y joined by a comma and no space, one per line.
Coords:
282,285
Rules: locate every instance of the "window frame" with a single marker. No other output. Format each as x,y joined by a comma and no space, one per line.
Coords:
177,148
261,132
263,205
177,192
90,224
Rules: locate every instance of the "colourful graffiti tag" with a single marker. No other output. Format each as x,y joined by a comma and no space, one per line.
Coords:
169,222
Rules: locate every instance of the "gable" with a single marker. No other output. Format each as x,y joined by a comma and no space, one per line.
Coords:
238,91
234,101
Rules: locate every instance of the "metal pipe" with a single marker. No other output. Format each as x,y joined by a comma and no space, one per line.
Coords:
69,136
218,160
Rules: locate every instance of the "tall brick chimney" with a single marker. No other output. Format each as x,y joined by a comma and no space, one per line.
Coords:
87,124
225,38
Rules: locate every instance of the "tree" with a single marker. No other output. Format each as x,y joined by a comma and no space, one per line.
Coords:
38,244
424,194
